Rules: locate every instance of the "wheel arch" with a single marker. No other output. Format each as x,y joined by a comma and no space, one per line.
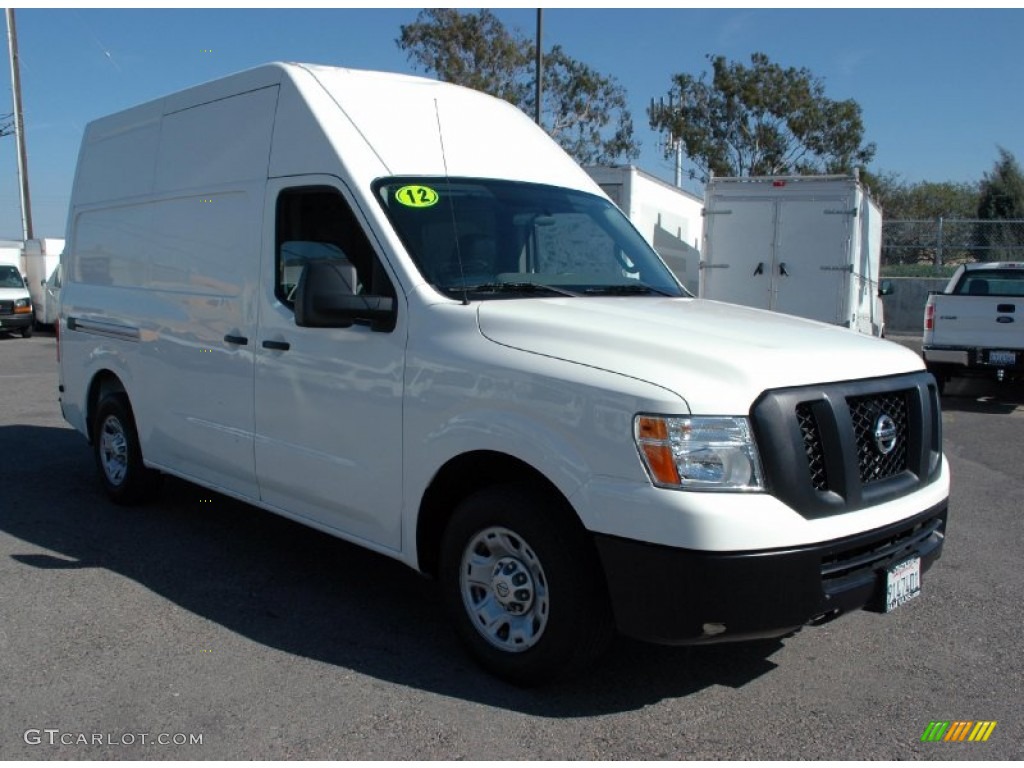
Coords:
104,382
459,478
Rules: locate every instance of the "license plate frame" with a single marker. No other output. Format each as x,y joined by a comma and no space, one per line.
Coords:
902,582
1002,357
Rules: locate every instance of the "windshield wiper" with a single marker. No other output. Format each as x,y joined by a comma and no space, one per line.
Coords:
625,289
520,287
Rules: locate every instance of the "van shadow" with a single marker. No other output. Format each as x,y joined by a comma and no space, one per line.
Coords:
294,589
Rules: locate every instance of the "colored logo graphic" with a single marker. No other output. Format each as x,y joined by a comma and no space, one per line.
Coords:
958,730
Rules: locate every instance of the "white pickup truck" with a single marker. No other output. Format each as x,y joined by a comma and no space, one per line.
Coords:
973,327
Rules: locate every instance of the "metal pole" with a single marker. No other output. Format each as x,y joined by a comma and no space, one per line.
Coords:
679,163
938,249
540,63
19,127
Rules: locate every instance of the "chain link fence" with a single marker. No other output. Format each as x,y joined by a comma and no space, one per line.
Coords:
940,242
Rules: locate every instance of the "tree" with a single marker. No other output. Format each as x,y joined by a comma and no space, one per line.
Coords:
583,110
910,234
761,120
901,200
6,125
1001,198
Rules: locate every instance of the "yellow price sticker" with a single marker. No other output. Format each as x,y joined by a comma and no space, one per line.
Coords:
416,196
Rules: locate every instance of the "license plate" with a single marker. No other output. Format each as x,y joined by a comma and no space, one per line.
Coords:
1002,357
902,583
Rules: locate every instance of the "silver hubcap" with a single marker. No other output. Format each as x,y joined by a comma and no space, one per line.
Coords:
504,589
113,450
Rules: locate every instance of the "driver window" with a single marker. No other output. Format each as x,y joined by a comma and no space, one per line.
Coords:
317,224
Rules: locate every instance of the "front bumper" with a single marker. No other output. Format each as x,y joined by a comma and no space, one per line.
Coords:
16,322
677,596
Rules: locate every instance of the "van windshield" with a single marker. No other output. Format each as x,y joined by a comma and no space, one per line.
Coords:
10,277
493,239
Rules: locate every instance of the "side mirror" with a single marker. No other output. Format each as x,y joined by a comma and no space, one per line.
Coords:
326,297
886,288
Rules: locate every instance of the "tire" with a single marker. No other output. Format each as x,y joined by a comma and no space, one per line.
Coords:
942,376
26,332
118,454
522,582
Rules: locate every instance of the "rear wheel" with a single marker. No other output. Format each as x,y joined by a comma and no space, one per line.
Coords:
524,586
942,376
118,454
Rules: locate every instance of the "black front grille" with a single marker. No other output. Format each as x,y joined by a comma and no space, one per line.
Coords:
812,446
839,447
6,307
866,413
869,557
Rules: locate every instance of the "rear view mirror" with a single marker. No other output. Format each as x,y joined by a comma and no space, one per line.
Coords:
886,288
326,297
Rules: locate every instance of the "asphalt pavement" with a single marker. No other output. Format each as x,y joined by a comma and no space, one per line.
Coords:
201,628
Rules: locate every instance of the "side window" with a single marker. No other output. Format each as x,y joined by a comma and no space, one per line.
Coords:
316,223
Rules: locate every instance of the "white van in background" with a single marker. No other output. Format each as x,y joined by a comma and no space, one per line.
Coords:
395,310
16,312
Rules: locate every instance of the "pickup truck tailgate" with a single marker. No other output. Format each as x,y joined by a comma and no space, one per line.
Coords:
978,321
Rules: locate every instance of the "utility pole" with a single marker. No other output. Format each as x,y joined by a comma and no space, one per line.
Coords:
19,127
540,64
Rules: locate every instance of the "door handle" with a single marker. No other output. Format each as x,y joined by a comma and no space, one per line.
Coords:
282,346
240,340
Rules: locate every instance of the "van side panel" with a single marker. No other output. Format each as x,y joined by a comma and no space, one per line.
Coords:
175,268
117,157
224,140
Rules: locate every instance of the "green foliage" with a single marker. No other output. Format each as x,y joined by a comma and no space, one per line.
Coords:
910,233
1001,198
1002,190
902,200
918,270
761,120
582,109
471,49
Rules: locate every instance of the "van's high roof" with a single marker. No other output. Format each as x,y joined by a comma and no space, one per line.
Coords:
289,118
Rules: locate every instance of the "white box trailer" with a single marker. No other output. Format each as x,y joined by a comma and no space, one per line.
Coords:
10,253
669,218
803,245
40,259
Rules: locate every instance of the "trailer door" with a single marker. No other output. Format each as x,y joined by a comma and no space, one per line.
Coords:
739,234
811,271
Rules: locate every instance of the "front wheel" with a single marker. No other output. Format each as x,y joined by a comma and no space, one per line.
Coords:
524,586
26,331
118,453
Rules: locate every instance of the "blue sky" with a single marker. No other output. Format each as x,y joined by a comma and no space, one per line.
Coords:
940,89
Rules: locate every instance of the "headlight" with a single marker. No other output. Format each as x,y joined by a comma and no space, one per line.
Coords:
22,306
699,453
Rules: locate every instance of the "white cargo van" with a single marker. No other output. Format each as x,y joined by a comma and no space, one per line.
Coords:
393,309
16,311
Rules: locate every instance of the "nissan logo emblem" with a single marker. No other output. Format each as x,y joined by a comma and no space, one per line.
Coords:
885,434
